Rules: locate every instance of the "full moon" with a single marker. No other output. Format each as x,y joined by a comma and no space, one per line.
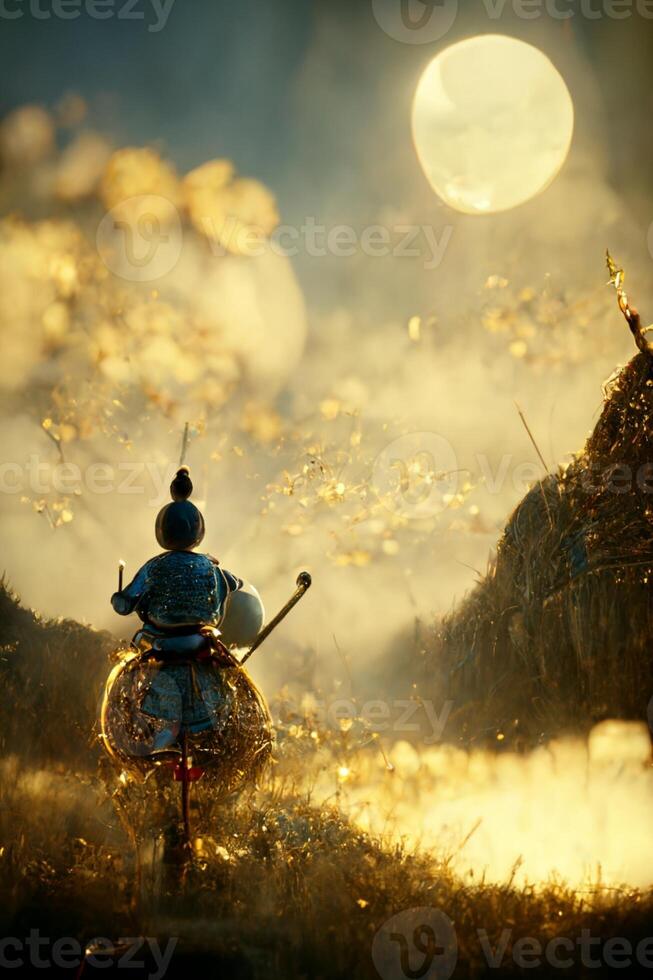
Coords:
492,123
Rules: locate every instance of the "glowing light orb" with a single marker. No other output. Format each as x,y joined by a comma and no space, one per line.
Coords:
492,123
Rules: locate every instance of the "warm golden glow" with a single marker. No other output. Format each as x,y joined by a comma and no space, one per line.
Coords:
558,810
492,123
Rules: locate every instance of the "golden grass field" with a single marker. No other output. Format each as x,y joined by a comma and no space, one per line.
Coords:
284,882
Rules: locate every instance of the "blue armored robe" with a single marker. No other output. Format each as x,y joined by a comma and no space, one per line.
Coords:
178,588
178,591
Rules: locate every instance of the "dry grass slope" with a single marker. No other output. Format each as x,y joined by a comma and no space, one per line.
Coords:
557,635
52,673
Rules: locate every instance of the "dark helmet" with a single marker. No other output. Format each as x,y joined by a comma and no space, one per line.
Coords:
180,525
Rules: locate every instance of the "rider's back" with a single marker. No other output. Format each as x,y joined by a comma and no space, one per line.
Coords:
183,588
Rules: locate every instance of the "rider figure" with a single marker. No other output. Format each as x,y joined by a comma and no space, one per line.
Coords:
179,591
182,597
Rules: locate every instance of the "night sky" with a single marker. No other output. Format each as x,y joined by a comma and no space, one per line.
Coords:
313,98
